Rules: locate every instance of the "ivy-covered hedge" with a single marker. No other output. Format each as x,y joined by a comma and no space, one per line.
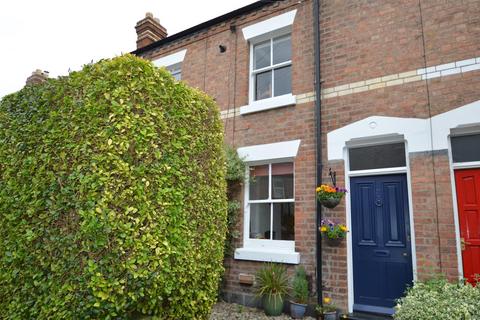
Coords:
112,196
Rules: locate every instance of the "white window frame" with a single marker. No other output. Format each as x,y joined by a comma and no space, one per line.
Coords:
282,251
252,242
175,70
260,32
171,60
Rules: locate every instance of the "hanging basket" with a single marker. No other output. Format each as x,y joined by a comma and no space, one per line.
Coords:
333,242
330,203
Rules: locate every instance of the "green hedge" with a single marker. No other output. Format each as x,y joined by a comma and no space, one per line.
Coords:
112,196
438,299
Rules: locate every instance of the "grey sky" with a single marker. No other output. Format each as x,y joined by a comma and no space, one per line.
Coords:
56,35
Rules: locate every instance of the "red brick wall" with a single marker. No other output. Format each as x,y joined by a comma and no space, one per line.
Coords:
225,76
360,40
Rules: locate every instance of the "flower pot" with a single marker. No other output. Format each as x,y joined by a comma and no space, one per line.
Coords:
297,310
332,315
273,305
330,202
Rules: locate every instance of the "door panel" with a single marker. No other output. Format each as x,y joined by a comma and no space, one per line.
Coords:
382,265
468,198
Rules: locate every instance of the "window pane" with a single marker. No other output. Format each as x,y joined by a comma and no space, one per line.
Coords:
175,70
261,55
283,80
260,221
263,85
376,157
177,75
466,148
258,183
282,49
282,181
284,221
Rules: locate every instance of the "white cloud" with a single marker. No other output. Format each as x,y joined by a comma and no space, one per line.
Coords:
56,35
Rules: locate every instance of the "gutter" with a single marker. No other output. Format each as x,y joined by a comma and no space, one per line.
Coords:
318,146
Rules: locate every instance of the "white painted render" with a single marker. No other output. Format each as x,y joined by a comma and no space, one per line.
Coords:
278,23
270,103
171,59
279,151
420,133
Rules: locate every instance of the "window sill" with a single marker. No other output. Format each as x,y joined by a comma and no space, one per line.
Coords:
267,104
275,255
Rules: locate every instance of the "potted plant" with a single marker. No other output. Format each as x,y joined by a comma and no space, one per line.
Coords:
272,287
329,196
333,232
298,305
328,311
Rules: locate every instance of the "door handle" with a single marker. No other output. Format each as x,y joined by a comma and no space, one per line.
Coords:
463,243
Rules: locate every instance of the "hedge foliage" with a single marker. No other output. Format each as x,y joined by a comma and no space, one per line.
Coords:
437,299
112,196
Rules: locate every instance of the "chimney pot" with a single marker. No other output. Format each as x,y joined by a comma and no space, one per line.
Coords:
38,76
149,30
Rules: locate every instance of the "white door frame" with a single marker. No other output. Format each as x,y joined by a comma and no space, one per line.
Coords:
359,173
456,216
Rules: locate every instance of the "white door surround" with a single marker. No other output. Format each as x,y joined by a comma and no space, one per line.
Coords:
420,135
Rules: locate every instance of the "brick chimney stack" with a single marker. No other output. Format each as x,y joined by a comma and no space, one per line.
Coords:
38,76
149,30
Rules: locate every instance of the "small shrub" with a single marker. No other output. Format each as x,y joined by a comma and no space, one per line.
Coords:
272,279
300,286
112,196
438,299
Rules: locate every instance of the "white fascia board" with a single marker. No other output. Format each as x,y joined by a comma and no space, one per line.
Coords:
270,25
280,256
286,150
171,59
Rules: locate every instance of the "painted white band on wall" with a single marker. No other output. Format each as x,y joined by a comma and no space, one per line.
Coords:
416,131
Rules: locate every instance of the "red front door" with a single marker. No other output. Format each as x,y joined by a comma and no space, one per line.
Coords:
468,198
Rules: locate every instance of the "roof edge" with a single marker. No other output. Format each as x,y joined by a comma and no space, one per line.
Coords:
204,25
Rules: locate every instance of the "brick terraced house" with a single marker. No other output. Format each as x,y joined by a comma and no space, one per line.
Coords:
385,93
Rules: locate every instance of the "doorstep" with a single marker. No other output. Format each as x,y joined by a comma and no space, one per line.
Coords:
364,316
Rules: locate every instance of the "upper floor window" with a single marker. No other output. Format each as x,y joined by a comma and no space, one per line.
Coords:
173,63
270,74
272,68
176,71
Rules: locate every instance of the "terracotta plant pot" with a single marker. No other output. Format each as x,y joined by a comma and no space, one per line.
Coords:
330,203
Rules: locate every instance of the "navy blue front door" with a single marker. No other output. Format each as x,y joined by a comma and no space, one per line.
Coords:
382,261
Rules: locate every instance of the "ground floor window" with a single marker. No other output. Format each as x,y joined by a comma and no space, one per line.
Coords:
271,202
